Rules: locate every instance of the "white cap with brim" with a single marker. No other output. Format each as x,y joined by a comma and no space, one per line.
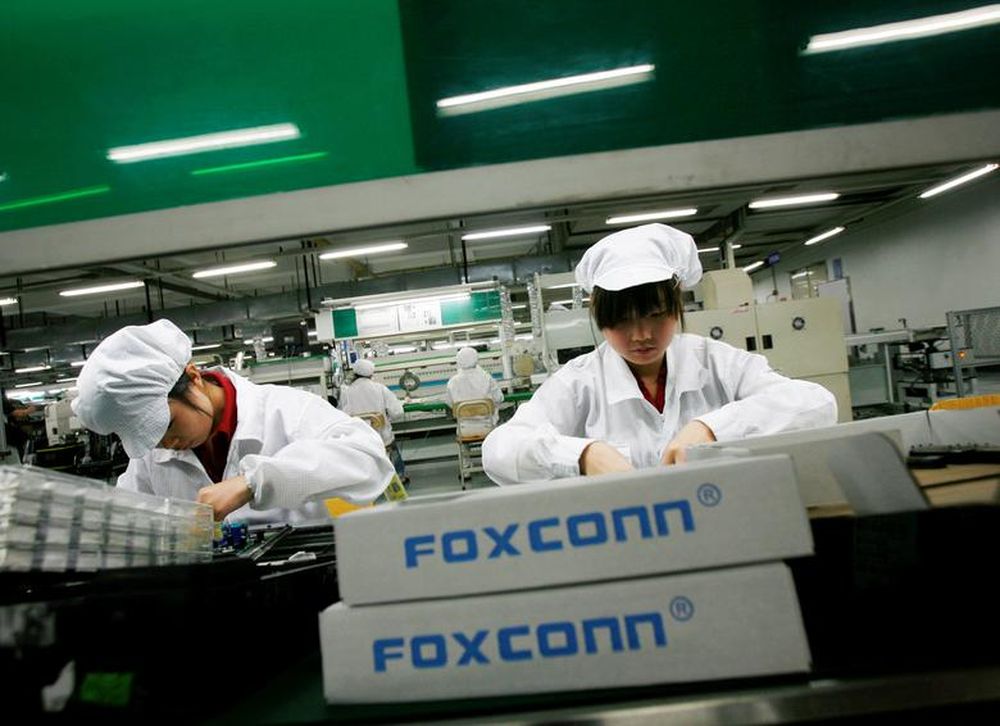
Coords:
640,255
363,367
124,384
467,358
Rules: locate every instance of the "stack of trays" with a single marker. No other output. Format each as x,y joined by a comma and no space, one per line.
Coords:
661,576
52,521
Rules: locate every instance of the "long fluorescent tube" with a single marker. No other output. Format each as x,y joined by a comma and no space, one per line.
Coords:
959,180
362,251
509,232
414,301
78,363
904,30
798,275
32,369
650,216
26,385
8,301
707,249
560,287
207,346
260,163
753,266
65,380
792,201
204,142
553,88
51,198
234,269
826,235
101,288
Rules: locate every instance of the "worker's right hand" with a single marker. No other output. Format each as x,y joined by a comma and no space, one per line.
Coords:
602,458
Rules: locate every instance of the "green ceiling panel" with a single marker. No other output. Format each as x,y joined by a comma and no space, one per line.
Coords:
80,78
360,79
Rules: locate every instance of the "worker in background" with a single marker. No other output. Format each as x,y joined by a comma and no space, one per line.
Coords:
262,453
472,382
648,391
365,396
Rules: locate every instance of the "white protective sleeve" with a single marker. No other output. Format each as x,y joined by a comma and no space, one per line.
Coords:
542,441
393,406
330,455
764,402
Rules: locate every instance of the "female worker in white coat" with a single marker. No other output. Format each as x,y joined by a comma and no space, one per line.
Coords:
472,383
262,453
648,391
364,395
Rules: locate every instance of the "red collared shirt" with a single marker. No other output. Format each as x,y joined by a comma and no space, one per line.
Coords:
214,452
661,387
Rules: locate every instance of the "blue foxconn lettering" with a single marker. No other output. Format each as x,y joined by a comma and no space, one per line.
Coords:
514,643
549,534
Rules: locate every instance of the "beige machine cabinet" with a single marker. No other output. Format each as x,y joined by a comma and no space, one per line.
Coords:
737,326
803,338
722,289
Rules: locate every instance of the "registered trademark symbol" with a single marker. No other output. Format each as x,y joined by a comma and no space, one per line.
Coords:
681,608
709,495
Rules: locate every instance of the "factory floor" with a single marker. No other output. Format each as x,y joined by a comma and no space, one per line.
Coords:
432,465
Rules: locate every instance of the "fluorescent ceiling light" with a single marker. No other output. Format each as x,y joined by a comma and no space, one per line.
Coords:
65,380
707,249
52,198
509,232
101,288
265,339
32,369
735,247
904,30
366,250
312,334
207,346
404,349
798,275
204,142
650,216
826,235
8,301
257,164
234,269
26,385
519,306
753,266
553,88
792,201
414,301
559,287
959,180
78,363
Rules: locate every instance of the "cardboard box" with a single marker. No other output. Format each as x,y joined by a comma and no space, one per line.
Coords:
725,623
658,521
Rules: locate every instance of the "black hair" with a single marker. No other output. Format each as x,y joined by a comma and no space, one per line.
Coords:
613,307
181,390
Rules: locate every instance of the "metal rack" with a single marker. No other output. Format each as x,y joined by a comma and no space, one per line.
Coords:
975,341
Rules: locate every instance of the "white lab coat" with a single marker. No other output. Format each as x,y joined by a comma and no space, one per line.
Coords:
367,396
291,445
596,397
471,384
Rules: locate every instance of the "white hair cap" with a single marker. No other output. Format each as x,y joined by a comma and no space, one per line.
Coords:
363,367
124,384
636,256
467,358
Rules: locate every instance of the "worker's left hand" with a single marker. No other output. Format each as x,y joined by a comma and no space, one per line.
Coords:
226,496
694,433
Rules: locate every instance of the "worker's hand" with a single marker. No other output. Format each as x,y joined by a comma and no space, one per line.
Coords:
694,433
602,458
226,496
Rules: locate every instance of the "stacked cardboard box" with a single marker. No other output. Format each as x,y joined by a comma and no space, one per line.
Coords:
662,576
